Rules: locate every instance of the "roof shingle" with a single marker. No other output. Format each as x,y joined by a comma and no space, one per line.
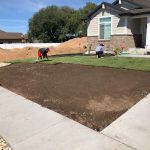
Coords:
143,5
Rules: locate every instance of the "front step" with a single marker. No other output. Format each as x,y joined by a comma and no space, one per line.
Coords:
137,51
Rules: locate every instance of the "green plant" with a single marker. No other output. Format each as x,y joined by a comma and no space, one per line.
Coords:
117,51
115,62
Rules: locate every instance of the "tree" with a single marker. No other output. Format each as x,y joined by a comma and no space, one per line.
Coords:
48,24
83,13
75,24
56,24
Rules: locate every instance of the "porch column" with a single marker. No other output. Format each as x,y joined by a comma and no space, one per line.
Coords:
125,25
148,33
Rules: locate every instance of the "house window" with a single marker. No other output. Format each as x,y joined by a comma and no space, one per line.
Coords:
105,28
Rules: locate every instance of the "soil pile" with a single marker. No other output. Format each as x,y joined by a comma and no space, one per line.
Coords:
14,54
76,45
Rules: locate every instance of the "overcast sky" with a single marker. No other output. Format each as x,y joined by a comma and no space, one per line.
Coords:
14,14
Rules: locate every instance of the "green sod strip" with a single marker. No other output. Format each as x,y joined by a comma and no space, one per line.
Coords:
115,62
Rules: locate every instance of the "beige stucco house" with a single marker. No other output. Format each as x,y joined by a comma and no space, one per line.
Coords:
124,23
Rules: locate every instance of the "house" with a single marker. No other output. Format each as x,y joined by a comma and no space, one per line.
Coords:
11,37
123,23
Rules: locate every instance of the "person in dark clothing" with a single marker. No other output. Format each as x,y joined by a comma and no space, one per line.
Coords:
99,50
42,53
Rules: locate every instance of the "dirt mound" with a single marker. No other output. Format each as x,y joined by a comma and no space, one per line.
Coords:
76,45
14,54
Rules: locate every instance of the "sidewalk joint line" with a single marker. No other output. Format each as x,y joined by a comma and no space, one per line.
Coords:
118,141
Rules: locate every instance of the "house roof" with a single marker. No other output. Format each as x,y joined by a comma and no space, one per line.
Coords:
117,8
145,3
141,3
135,12
143,8
10,35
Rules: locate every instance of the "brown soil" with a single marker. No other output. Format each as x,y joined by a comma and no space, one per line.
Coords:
76,45
15,54
93,96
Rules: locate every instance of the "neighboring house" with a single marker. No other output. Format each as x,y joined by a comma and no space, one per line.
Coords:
11,37
124,23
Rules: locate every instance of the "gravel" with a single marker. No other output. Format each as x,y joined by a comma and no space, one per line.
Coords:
4,145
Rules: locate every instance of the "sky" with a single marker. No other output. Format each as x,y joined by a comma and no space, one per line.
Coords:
14,14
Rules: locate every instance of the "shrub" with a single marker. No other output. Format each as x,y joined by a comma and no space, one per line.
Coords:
117,51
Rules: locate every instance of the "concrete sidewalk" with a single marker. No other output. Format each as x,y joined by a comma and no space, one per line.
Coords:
135,56
28,126
133,128
4,64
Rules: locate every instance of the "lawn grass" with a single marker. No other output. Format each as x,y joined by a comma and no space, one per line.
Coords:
115,62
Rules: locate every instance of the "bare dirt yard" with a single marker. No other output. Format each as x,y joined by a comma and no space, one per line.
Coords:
93,96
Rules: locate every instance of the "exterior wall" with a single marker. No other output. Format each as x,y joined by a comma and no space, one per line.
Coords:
93,42
93,27
129,41
22,45
118,23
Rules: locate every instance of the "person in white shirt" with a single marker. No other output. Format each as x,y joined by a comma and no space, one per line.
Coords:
99,50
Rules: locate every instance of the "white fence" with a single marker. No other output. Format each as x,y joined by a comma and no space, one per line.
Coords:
22,45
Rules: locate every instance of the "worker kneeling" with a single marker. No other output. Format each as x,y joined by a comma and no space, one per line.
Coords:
42,53
99,50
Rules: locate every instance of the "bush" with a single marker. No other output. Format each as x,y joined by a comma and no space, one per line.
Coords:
117,51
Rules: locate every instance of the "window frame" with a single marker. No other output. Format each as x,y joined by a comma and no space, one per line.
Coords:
99,27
